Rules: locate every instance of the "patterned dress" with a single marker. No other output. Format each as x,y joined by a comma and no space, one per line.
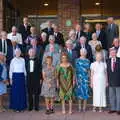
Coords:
49,77
82,78
65,78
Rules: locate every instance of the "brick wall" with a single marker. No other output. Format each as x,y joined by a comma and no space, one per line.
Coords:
1,15
68,10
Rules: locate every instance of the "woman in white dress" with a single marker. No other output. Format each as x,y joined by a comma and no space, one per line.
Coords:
99,82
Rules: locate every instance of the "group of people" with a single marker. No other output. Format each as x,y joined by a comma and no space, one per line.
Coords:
46,65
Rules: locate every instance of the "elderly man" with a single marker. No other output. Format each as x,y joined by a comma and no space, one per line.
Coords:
34,76
79,32
82,44
101,36
49,30
14,36
6,47
24,29
113,70
58,37
112,31
72,53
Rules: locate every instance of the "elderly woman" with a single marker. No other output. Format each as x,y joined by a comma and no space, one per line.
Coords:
17,76
3,81
44,40
93,43
72,37
52,46
99,82
82,66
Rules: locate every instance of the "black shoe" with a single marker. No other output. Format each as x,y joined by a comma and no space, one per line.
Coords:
118,112
111,112
47,112
52,111
36,109
30,109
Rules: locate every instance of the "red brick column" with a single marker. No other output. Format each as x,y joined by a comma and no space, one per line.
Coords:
1,15
68,10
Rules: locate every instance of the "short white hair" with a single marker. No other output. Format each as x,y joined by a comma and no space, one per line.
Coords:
83,38
51,37
43,34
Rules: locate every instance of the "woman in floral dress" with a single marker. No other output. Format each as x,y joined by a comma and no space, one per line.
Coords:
65,82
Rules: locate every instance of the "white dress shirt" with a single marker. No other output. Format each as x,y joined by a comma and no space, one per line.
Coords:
15,38
5,52
17,65
31,65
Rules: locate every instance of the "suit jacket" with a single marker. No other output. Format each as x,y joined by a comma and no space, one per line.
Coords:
37,74
89,51
113,77
73,57
102,39
9,55
59,39
48,32
25,32
111,34
81,34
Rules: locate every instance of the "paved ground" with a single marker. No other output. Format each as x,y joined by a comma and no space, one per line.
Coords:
89,115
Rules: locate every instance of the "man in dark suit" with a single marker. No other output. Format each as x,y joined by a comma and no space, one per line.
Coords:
79,32
58,37
49,30
101,36
72,53
82,44
113,70
24,29
33,68
6,47
112,31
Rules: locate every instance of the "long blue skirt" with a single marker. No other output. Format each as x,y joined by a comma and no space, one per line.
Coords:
18,92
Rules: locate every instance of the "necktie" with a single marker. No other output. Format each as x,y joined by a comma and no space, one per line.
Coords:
113,65
77,36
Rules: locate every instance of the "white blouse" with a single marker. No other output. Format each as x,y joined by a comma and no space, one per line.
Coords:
17,38
17,65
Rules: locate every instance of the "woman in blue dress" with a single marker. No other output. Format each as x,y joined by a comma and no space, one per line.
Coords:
82,66
17,76
3,81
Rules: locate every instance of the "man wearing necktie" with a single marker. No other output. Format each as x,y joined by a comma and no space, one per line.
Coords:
58,37
79,32
6,47
112,31
113,70
72,54
101,36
